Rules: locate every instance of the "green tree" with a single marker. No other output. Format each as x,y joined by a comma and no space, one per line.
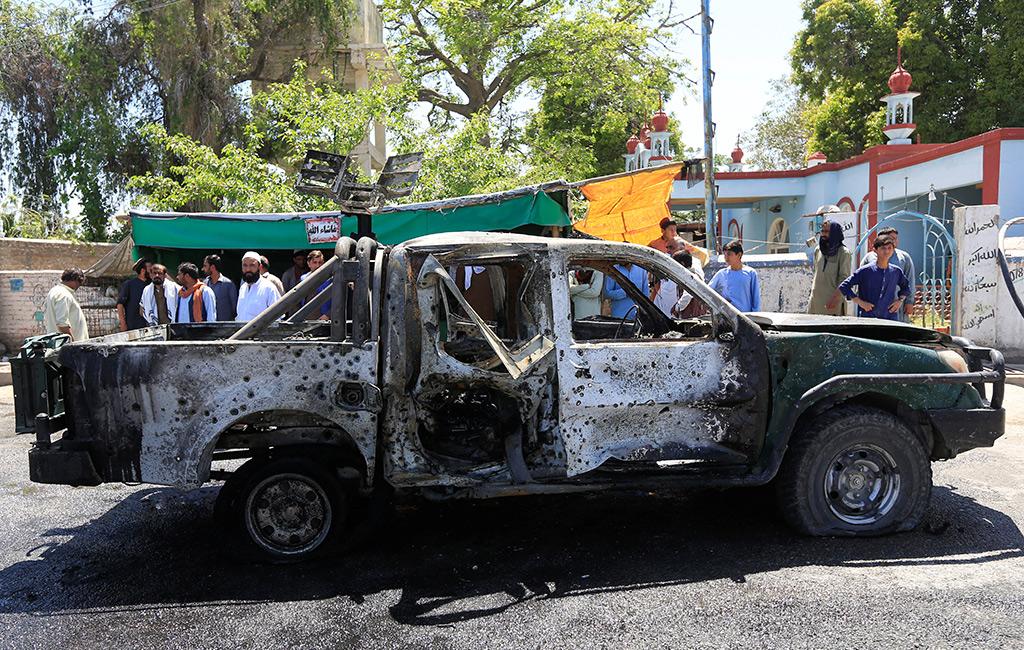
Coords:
75,88
255,174
964,55
596,70
19,220
841,59
198,52
63,125
779,139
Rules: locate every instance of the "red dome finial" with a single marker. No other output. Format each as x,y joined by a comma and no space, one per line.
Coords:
660,119
645,137
632,143
737,154
900,79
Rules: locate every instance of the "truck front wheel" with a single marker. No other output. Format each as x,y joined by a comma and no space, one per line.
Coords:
287,510
854,471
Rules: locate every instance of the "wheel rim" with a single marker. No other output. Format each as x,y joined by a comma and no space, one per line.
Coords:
862,484
288,514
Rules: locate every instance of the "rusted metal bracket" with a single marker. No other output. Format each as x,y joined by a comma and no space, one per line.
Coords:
307,289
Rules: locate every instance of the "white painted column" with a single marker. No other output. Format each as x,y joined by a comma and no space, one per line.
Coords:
976,230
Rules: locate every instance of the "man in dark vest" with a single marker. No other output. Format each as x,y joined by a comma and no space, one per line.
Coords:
129,298
196,302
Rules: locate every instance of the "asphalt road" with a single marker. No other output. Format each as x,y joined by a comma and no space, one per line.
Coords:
119,566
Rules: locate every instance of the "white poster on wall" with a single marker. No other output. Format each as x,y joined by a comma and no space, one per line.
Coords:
976,229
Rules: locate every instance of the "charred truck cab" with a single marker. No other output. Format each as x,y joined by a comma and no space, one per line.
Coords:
457,365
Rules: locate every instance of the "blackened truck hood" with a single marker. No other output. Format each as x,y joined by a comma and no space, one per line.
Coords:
867,328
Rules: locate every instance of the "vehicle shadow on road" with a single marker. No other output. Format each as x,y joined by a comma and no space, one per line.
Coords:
455,561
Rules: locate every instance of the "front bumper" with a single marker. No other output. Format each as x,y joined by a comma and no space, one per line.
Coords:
958,430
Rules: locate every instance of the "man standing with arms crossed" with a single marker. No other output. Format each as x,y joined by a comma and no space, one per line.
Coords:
160,297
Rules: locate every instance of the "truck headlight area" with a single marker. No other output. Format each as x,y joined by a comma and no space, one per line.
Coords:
953,361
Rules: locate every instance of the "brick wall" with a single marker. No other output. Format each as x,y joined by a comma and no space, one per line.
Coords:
21,306
39,254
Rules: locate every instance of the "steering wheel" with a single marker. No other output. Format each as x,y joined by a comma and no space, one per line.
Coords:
639,323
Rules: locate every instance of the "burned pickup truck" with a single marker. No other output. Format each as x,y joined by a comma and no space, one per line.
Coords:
454,366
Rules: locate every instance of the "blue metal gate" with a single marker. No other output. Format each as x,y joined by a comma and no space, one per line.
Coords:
935,299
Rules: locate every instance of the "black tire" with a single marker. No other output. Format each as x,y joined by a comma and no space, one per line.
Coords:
854,471
284,510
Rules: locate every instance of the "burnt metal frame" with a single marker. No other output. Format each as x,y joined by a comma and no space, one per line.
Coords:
342,270
327,174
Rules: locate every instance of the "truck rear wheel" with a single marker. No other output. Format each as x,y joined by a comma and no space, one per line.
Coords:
854,471
286,509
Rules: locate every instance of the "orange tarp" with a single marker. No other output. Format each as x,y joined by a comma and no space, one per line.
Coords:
630,207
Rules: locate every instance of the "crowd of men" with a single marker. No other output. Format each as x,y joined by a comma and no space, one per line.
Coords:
883,286
150,297
593,293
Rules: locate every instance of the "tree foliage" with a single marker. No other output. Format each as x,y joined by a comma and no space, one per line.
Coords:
287,119
590,72
64,129
966,57
188,100
76,88
19,220
779,137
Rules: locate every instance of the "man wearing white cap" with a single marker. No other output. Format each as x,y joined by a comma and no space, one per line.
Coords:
256,293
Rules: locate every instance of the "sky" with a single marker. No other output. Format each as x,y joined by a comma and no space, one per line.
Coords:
750,46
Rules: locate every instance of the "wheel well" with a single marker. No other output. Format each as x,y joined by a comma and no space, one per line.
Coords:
917,421
277,434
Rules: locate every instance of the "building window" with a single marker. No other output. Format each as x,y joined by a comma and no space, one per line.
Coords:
778,237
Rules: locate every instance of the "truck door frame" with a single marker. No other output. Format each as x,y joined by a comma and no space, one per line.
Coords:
650,400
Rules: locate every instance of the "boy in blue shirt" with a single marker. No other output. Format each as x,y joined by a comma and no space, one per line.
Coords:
881,287
737,283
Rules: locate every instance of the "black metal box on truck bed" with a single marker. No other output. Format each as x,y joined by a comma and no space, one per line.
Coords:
36,378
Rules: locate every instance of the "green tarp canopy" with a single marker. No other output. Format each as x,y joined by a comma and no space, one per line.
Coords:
216,231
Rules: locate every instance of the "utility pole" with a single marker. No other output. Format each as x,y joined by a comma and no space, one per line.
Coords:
709,126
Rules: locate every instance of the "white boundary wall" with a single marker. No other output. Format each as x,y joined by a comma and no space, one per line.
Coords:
986,313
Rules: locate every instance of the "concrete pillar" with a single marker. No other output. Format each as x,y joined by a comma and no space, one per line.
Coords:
976,230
